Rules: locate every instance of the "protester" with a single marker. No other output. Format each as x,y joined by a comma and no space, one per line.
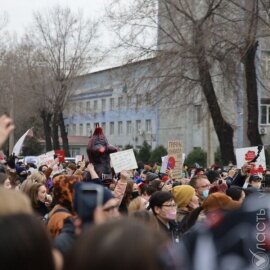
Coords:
121,244
4,181
6,127
201,185
186,200
40,200
163,207
24,244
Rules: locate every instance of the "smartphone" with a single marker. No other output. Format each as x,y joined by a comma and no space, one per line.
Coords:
87,197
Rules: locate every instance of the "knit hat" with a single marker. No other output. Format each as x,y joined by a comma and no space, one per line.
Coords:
219,200
183,195
151,176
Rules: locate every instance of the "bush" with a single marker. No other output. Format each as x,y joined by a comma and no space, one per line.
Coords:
196,156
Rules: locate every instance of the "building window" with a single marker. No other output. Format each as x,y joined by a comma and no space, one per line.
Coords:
138,125
265,64
103,104
129,100
138,100
88,129
111,128
111,104
81,129
197,114
148,98
129,127
96,124
265,114
148,125
74,152
103,125
120,102
88,106
74,129
95,105
120,127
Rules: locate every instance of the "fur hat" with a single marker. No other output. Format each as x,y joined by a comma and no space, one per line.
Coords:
219,200
183,194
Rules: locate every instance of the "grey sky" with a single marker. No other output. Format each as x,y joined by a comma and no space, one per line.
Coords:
20,11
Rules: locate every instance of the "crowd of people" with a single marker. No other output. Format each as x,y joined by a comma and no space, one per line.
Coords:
207,219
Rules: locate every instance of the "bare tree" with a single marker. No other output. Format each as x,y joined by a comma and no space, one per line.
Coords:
65,47
201,48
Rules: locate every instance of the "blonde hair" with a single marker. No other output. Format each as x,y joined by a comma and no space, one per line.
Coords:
14,202
135,204
35,177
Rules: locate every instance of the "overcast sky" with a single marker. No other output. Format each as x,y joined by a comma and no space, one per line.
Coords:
20,11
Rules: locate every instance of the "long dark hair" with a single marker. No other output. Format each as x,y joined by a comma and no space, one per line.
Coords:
24,244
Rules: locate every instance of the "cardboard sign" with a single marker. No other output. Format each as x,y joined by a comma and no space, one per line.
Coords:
123,160
244,155
46,159
61,155
175,162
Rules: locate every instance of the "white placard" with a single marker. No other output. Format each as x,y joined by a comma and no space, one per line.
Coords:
78,158
164,165
244,155
123,160
46,159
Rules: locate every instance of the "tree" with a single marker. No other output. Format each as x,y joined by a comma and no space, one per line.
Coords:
196,156
157,153
64,43
202,48
144,152
32,147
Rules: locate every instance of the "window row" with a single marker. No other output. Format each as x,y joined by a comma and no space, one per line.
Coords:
108,104
114,128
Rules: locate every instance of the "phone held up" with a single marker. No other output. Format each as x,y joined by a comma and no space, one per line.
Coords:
87,197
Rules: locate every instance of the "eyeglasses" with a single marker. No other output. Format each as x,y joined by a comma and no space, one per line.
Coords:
108,209
169,205
205,186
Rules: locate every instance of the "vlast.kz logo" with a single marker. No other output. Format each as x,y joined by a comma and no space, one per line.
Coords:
260,260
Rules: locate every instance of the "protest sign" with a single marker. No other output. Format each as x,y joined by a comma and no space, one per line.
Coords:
175,162
47,158
244,155
61,155
123,160
164,165
78,158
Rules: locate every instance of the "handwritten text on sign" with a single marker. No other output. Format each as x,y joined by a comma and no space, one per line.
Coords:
123,160
175,158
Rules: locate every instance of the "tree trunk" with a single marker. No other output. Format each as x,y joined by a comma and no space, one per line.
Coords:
55,137
64,134
46,119
252,95
223,129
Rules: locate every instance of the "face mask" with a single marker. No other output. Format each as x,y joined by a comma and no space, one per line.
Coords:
205,194
134,194
171,215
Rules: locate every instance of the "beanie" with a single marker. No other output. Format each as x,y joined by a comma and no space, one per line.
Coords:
151,176
183,195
